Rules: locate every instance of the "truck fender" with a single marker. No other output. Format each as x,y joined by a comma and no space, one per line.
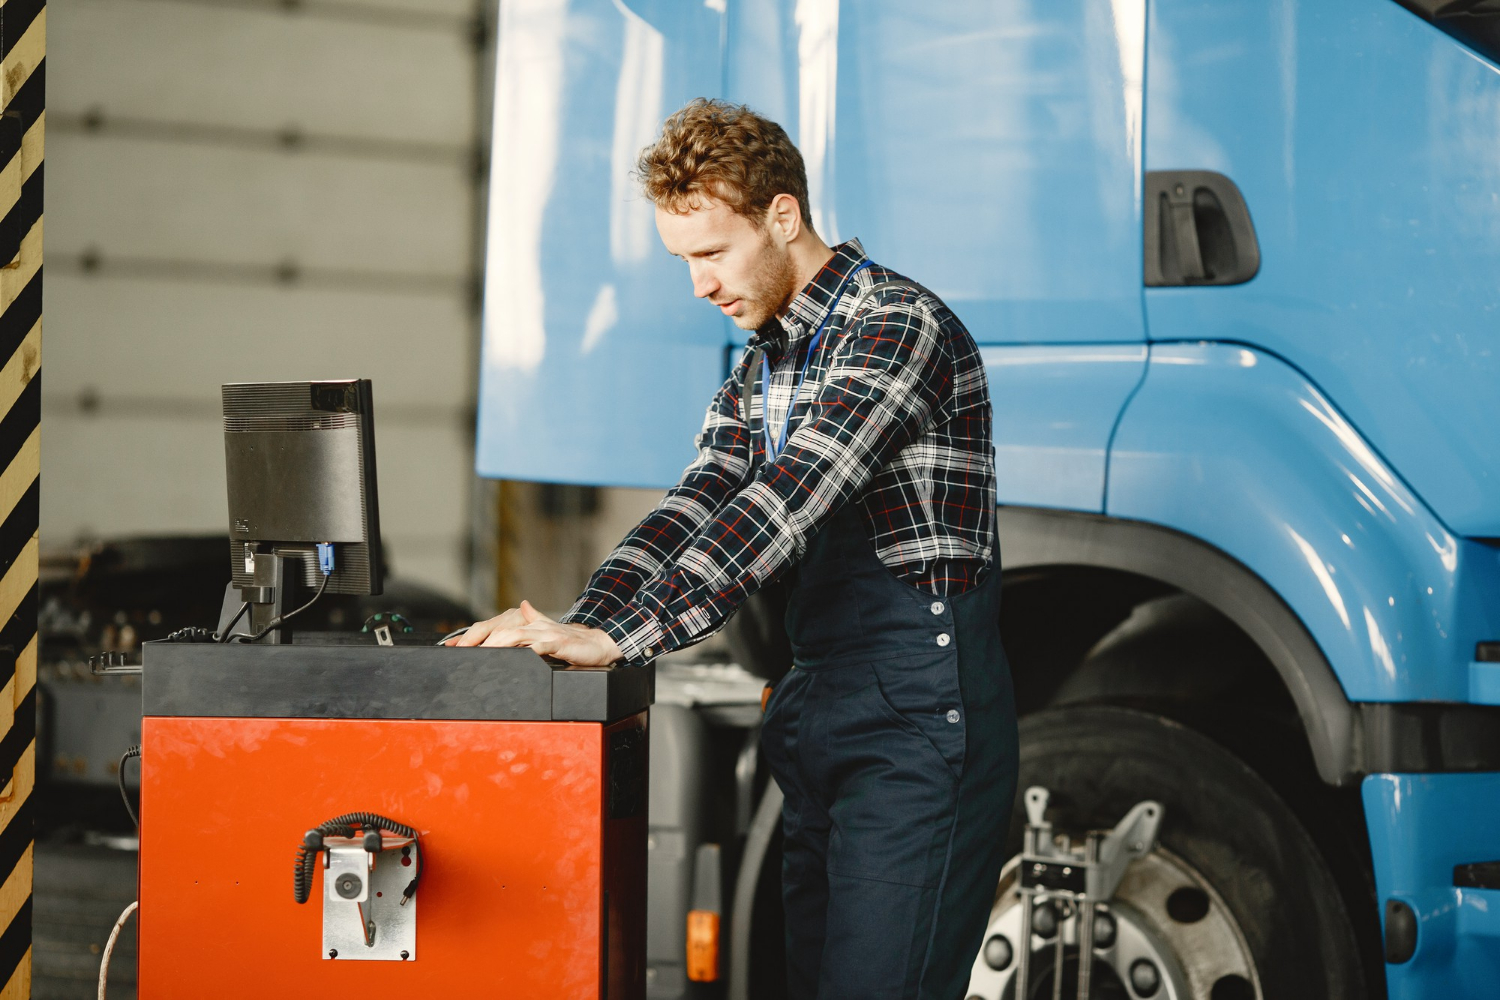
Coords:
1236,448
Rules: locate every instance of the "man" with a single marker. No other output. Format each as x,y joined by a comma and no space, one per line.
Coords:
849,455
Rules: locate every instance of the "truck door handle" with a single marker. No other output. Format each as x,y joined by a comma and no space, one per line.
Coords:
1179,202
1198,230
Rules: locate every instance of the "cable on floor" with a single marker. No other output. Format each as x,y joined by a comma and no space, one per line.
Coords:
109,946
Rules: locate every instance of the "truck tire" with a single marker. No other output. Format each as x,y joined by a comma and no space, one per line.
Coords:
1220,820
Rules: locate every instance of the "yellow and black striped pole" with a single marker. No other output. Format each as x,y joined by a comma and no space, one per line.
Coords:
23,44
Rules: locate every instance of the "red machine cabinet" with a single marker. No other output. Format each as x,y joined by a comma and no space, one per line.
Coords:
533,831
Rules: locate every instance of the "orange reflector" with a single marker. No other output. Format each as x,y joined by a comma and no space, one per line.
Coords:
765,696
702,946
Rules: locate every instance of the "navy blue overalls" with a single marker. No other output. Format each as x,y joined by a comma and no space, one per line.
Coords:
894,740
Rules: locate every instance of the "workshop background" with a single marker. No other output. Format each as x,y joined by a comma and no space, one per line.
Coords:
261,190
1231,273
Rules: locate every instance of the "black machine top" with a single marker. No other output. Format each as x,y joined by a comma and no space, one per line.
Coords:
347,676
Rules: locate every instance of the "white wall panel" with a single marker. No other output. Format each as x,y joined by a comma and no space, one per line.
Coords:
151,475
192,206
425,474
439,561
135,197
180,341
109,474
262,68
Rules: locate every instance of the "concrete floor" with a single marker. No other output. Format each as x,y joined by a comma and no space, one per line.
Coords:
80,887
79,892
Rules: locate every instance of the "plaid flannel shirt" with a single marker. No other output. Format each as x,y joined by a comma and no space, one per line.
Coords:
894,414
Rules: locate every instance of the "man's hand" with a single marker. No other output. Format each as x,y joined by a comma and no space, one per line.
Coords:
514,618
526,626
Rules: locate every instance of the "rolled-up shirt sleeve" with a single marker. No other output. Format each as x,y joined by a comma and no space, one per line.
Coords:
715,474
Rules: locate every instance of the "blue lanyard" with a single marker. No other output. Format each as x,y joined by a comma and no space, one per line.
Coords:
765,374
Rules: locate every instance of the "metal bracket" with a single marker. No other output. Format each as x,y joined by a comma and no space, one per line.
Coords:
104,664
364,916
1076,881
1132,837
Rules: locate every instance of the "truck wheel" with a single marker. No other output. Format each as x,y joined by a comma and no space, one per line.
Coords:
1235,903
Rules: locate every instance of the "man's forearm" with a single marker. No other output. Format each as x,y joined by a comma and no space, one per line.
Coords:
719,471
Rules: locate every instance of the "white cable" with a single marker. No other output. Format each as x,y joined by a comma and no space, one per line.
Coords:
110,946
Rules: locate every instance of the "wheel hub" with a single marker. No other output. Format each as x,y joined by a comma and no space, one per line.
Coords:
1165,934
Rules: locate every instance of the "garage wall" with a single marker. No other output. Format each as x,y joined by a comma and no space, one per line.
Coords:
260,191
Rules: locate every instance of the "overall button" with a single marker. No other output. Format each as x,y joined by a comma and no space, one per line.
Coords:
937,607
952,715
943,639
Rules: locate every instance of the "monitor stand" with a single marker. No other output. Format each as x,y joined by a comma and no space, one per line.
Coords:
272,578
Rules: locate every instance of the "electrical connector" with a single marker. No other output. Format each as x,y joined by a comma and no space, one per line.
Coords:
325,557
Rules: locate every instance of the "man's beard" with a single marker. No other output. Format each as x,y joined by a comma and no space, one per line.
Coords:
771,286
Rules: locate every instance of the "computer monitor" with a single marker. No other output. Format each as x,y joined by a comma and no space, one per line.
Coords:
300,464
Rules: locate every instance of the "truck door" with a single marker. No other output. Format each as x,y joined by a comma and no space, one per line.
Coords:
990,151
1363,140
596,365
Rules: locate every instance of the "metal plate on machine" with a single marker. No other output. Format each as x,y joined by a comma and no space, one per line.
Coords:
395,936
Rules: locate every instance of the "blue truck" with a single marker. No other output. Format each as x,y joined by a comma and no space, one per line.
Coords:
1234,266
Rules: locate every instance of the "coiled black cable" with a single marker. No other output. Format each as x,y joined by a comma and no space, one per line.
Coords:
344,826
192,633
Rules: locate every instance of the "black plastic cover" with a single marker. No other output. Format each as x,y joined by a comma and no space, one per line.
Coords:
1478,875
1062,875
1426,737
335,679
1400,932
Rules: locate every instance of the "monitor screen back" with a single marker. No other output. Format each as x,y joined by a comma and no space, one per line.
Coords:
300,460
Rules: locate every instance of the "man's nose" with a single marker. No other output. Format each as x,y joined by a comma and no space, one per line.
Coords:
704,283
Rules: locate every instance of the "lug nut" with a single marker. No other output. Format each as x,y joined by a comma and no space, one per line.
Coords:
1104,930
998,952
1044,920
1144,977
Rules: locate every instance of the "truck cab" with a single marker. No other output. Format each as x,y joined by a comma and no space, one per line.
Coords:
1232,267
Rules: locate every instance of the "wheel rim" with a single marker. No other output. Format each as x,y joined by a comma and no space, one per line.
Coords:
1169,927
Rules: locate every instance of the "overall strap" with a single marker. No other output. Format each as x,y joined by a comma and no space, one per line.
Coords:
747,392
892,283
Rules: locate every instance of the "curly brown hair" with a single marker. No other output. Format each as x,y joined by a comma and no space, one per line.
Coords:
715,149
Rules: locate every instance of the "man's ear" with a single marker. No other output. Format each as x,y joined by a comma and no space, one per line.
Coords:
784,217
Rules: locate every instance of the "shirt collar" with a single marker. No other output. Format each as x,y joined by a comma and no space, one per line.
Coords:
812,304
